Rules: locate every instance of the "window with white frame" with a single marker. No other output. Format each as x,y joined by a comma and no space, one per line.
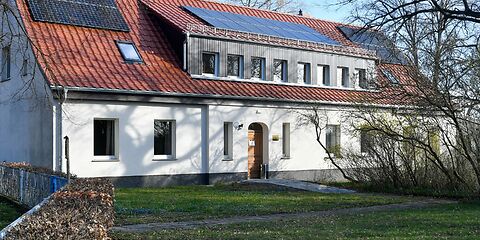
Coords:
228,141
210,64
286,140
6,63
303,74
279,70
164,139
235,66
129,52
258,68
361,78
366,140
323,75
105,139
332,141
343,77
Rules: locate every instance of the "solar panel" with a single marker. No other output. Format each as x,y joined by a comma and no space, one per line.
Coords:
244,23
103,14
376,41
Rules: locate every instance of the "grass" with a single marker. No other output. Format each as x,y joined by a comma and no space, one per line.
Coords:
9,212
448,221
420,191
143,205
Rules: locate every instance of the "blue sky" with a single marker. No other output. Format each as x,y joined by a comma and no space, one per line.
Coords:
321,9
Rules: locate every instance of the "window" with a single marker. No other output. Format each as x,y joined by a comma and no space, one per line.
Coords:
164,139
279,70
6,63
323,74
332,142
210,64
366,141
104,138
258,68
361,78
25,67
303,73
129,51
342,77
235,66
228,141
286,140
390,76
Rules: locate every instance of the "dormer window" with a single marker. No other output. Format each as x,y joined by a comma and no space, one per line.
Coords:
210,64
279,70
234,66
129,52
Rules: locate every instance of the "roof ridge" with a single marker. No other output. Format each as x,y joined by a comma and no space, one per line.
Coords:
275,12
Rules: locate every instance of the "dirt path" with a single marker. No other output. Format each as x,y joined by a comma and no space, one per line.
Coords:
233,220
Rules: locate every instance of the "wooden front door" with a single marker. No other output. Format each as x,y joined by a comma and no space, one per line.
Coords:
255,153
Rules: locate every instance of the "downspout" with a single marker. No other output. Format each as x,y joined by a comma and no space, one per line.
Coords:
62,94
185,51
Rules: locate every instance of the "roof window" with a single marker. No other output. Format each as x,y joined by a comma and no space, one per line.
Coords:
129,52
390,76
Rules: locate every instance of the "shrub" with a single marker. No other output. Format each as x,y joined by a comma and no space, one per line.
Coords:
82,210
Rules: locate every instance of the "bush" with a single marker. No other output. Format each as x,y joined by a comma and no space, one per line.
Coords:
82,210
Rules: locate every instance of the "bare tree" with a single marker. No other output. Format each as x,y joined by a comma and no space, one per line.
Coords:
433,140
289,6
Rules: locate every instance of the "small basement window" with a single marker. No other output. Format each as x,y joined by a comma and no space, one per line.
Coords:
129,52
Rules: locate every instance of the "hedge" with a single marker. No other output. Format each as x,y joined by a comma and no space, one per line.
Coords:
82,210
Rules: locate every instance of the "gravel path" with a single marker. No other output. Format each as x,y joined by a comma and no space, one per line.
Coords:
233,220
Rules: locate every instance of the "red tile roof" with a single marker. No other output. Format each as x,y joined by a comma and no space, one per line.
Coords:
82,57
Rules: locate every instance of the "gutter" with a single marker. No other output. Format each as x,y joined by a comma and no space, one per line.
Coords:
221,97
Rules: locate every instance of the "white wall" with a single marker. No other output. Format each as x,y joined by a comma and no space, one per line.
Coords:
136,139
25,105
306,153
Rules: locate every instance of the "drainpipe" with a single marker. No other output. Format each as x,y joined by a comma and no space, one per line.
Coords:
185,51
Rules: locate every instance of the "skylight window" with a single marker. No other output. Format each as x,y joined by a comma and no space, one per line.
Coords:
129,51
390,77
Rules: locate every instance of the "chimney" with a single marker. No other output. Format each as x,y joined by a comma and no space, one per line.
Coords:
300,13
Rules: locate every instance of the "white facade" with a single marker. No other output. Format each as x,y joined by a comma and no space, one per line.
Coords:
198,136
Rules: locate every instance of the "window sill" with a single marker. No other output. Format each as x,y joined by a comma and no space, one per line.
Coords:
253,80
6,80
101,159
164,158
286,158
227,159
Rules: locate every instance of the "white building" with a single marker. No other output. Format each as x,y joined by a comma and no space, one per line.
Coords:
157,92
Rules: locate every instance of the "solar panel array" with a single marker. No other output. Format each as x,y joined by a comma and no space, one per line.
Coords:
244,23
376,41
103,14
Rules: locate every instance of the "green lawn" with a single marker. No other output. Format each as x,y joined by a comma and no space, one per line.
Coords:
8,212
450,221
143,205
